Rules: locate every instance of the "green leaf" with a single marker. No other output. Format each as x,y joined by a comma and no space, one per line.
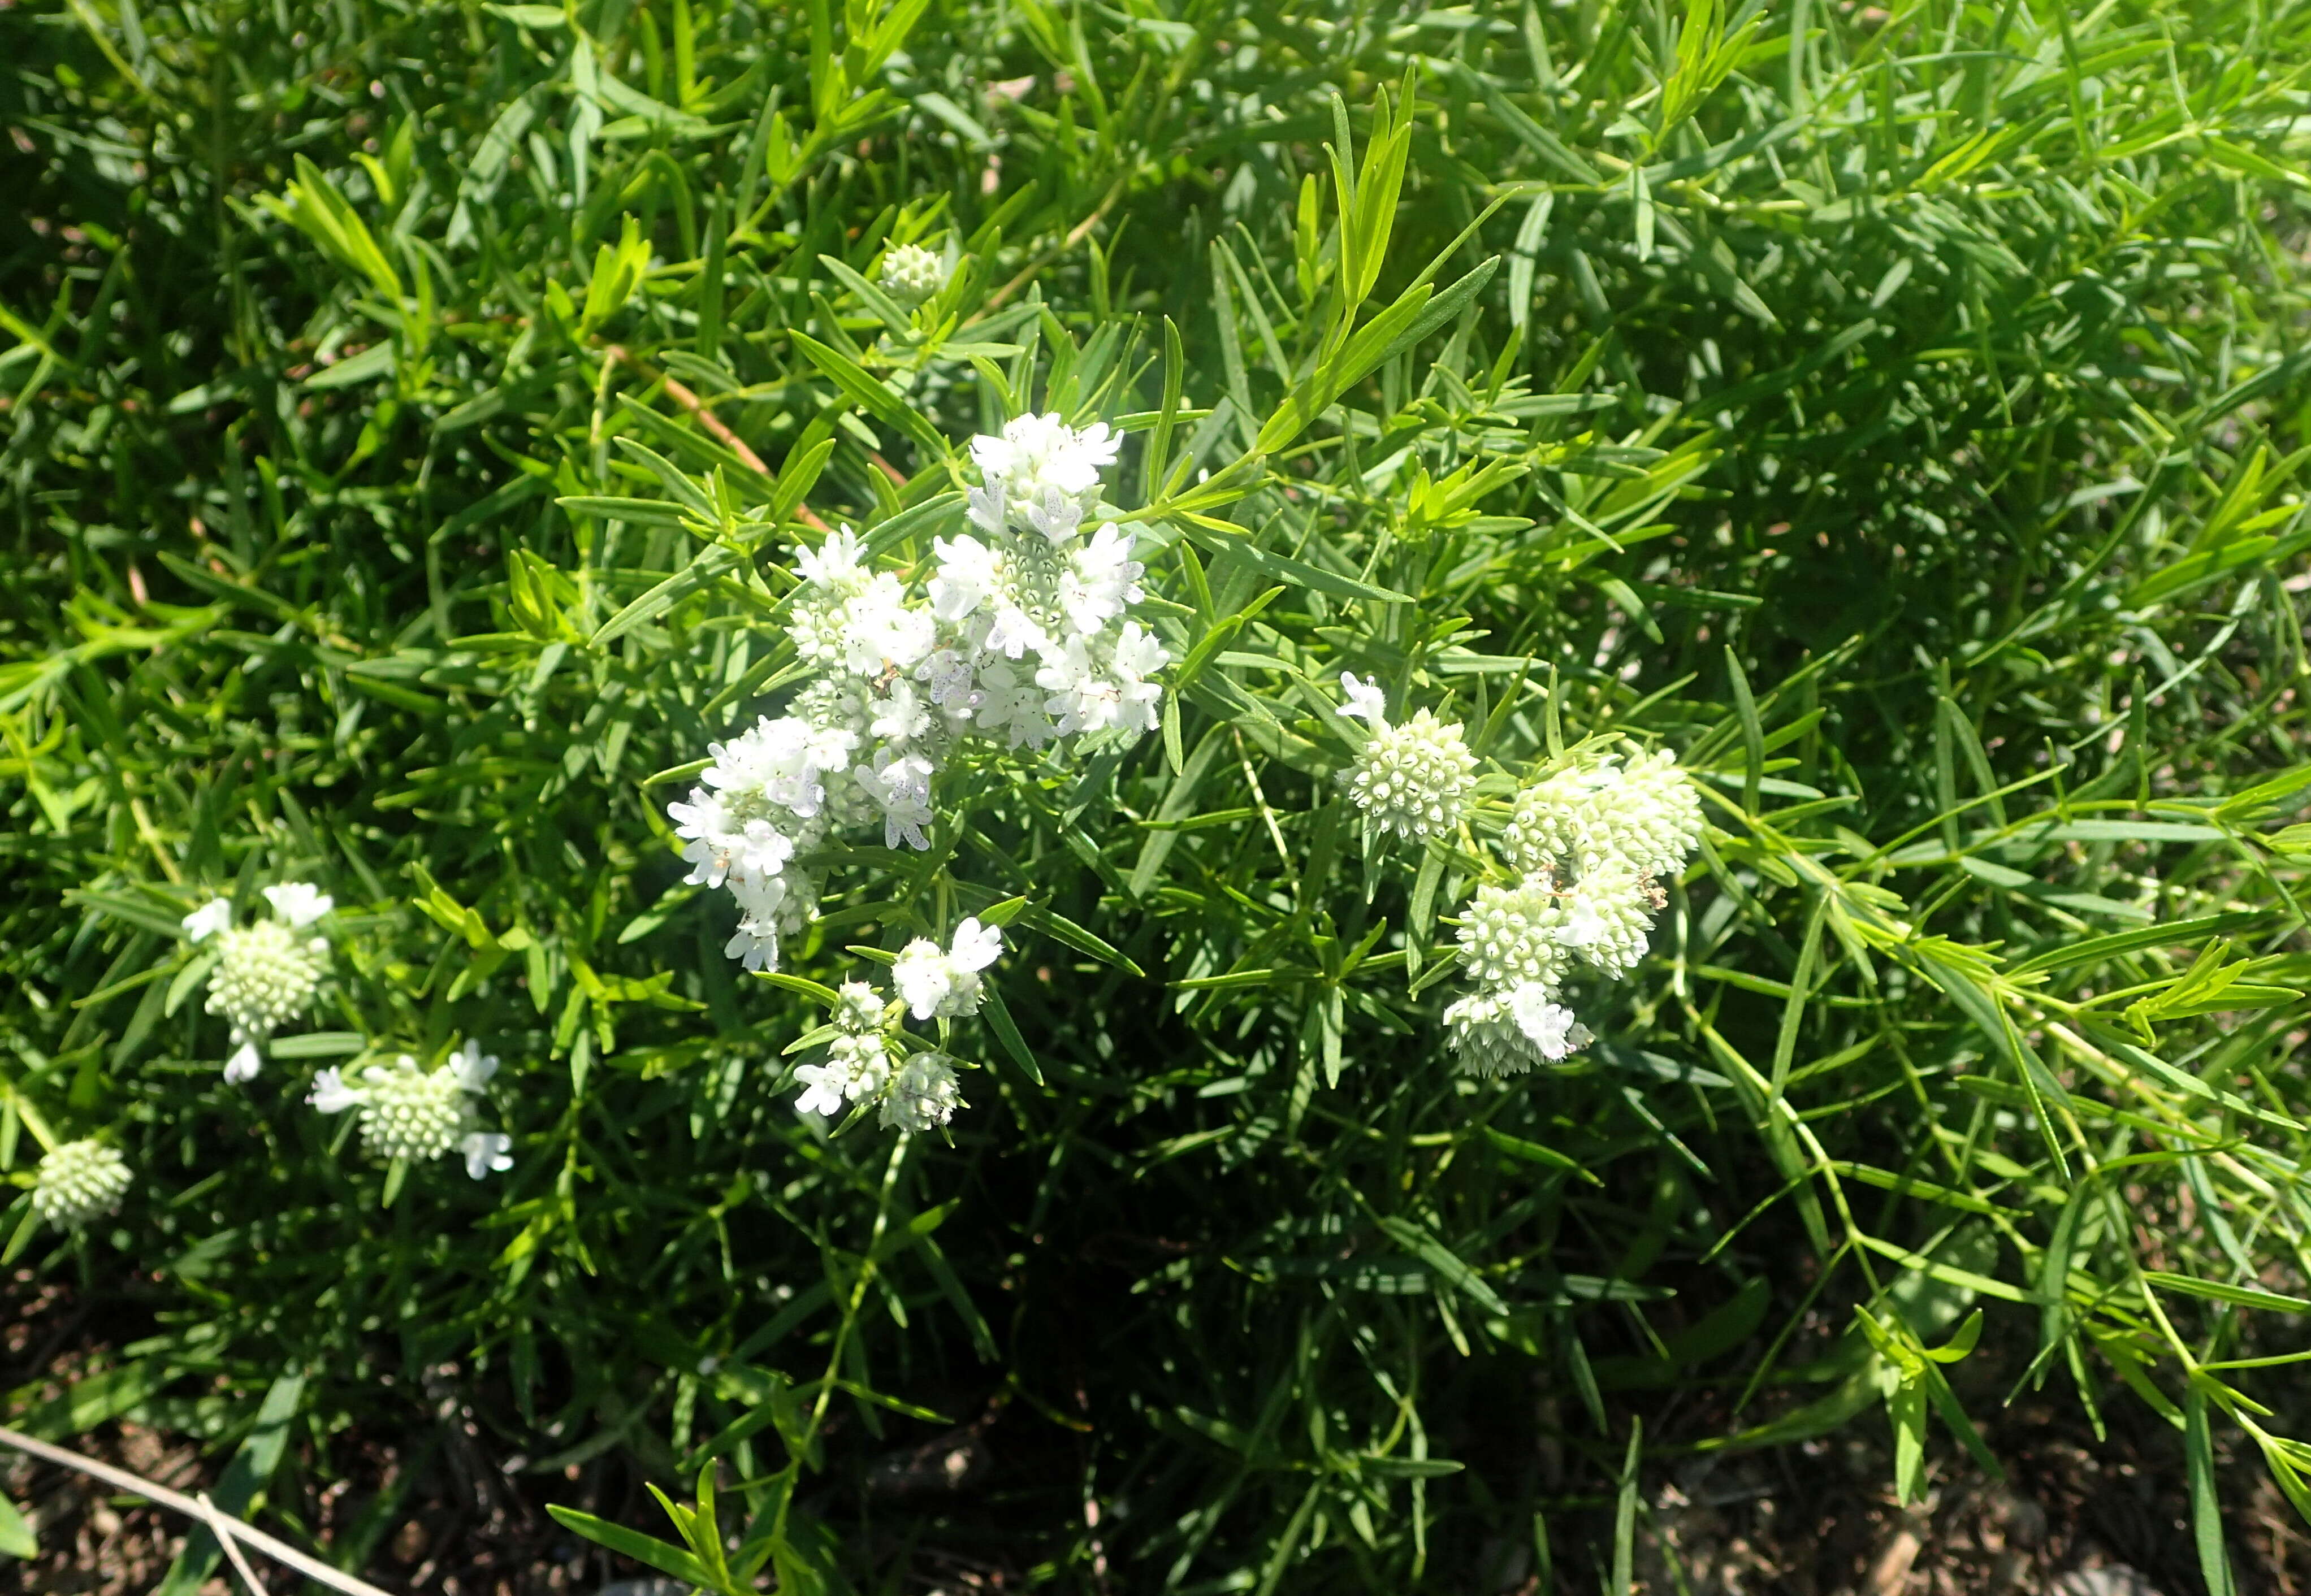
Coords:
16,1539
873,395
242,1486
643,1549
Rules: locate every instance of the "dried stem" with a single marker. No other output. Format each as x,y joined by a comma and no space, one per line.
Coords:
226,1528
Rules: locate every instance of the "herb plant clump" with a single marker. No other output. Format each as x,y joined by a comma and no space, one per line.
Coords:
1265,760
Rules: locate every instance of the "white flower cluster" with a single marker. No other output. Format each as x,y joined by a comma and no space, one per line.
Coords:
77,1181
911,274
420,1115
1410,780
1586,846
1019,636
923,1092
1583,847
266,973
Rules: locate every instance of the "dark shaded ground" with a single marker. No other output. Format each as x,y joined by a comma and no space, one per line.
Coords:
2075,1516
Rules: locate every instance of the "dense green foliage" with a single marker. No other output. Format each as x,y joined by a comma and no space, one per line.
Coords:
1897,417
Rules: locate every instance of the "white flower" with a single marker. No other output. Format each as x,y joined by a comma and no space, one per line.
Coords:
1607,916
241,1067
880,629
1547,1025
1016,634
974,946
821,1089
1366,701
331,1095
486,1150
1080,698
1137,656
834,566
969,574
266,976
1042,471
414,1113
903,716
952,683
1411,780
856,1071
1490,1037
79,1181
755,943
923,978
298,902
1102,578
207,921
901,786
1010,701
946,984
471,1067
911,274
776,765
923,1094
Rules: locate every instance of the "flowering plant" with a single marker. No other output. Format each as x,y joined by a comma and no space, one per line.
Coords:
1282,799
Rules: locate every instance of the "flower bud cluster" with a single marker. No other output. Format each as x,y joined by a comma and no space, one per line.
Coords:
1586,846
1642,812
911,274
79,1181
1410,780
420,1115
923,1092
1018,638
266,972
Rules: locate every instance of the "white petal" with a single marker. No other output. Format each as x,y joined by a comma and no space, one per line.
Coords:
210,918
975,946
331,1095
486,1150
243,1063
472,1068
298,902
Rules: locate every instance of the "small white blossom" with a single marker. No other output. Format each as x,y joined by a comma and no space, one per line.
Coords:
207,921
299,903
834,566
900,786
1495,1034
1366,702
485,1151
857,1070
77,1181
1550,1026
331,1095
1607,916
970,573
471,1067
946,984
1101,580
1043,472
